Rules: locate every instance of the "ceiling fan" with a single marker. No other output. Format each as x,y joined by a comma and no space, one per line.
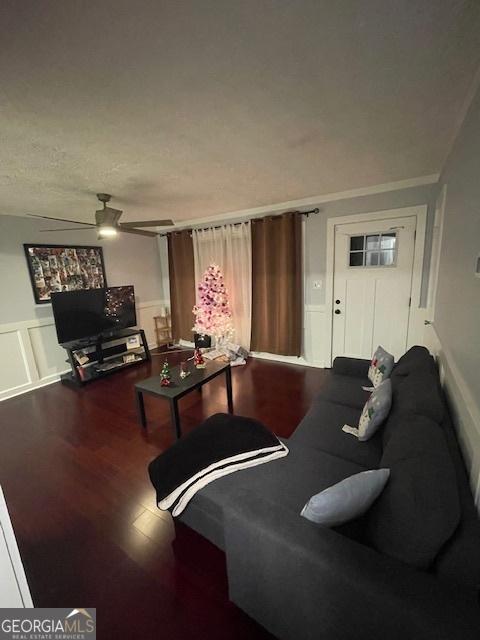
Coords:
107,222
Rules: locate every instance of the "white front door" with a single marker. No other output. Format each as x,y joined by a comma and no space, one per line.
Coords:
372,286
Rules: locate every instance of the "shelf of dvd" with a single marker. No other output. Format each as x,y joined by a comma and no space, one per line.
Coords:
99,356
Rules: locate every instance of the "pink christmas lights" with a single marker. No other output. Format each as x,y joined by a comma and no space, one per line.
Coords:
212,313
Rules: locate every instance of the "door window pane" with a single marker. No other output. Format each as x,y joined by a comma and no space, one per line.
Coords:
388,240
372,242
387,257
356,258
371,259
375,250
356,243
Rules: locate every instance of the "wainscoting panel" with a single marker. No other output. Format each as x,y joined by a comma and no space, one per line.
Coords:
465,409
34,357
313,335
14,371
50,358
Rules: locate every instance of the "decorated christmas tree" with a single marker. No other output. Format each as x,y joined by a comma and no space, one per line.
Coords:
165,377
213,316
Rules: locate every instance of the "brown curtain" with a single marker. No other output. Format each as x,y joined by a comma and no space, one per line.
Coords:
182,284
277,284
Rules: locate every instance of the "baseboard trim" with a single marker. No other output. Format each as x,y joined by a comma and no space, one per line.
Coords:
299,361
31,386
261,355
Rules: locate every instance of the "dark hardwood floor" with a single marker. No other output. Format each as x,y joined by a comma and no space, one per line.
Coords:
73,467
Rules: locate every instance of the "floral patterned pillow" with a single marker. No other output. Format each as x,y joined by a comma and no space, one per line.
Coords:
381,366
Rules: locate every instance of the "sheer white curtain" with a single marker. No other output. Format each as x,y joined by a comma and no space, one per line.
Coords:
229,246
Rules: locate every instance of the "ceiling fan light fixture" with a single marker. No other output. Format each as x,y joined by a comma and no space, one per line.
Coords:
106,231
107,222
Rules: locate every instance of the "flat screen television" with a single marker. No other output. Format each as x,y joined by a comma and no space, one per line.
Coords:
93,312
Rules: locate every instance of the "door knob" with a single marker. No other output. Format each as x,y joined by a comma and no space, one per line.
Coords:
337,311
337,301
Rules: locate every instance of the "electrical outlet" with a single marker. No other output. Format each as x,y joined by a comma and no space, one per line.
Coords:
317,284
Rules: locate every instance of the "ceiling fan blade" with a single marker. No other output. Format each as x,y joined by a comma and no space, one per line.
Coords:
123,229
149,223
33,215
89,228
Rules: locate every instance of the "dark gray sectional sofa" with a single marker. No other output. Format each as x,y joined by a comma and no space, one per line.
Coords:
409,568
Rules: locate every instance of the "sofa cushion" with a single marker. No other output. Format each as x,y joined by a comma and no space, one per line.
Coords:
289,481
346,500
345,390
354,367
321,429
419,393
419,509
395,421
415,359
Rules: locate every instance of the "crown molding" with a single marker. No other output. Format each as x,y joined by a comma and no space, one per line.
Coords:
280,207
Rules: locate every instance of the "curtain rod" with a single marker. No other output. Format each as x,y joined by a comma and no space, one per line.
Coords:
235,224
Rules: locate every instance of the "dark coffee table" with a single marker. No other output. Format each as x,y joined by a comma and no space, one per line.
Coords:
179,388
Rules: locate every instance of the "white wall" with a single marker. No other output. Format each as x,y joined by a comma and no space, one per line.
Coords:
455,335
27,332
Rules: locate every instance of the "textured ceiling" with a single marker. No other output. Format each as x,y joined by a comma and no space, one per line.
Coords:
187,109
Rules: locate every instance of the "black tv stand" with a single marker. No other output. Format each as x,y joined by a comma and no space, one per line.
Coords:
98,356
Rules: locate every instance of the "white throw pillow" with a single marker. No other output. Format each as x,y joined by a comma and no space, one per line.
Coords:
381,366
346,500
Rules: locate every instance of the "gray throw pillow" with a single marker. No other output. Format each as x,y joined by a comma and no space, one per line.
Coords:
347,499
374,412
381,366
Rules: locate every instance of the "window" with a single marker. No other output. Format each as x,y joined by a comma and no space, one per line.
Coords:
375,250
